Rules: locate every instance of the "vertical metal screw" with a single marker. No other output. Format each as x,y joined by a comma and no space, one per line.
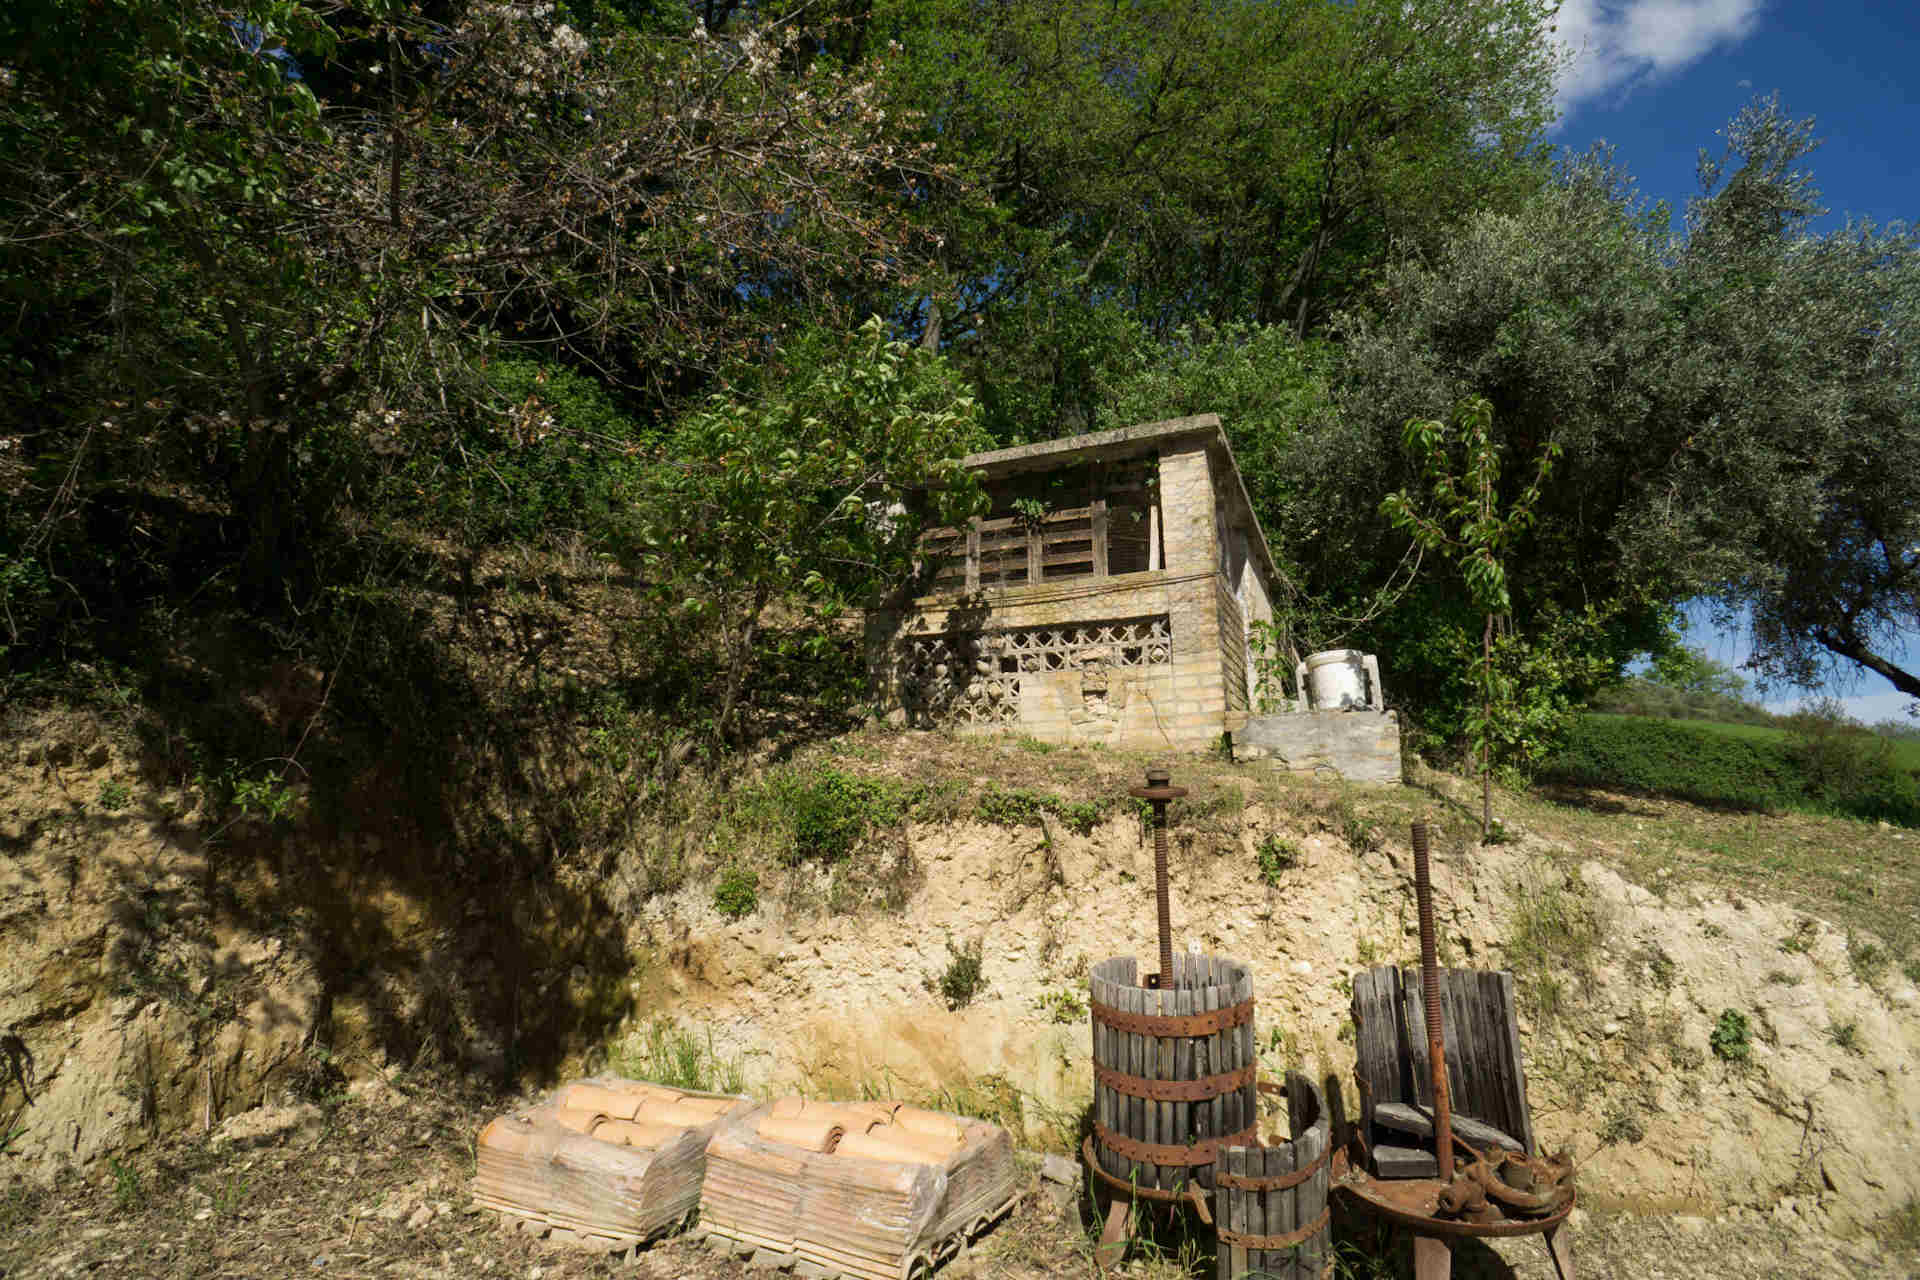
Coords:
1430,990
1158,793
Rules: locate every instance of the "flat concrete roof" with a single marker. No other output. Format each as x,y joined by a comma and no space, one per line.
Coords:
1122,442
1048,454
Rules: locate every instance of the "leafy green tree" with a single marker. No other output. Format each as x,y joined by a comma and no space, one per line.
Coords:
235,289
1476,530
1792,486
1557,315
1690,671
1181,164
810,498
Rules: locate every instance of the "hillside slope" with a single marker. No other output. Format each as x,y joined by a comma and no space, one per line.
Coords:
158,985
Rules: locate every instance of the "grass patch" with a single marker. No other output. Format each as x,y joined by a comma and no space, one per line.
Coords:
1901,1228
1847,1036
1869,959
1555,928
668,1054
1860,877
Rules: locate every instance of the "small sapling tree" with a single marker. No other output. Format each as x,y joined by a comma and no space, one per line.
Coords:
1469,526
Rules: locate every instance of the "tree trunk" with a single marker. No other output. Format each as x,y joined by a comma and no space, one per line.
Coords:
739,664
1486,731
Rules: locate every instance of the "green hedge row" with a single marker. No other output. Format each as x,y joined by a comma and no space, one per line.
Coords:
1847,773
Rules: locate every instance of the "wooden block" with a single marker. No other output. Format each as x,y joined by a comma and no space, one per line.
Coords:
1405,1118
1404,1162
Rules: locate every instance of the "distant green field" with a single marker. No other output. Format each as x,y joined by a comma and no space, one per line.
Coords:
1906,751
1745,766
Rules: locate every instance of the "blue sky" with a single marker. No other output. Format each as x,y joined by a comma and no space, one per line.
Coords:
1659,79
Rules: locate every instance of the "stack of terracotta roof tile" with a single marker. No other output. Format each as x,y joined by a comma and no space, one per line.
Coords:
605,1162
866,1189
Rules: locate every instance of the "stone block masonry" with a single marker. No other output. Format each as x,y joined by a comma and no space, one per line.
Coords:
1359,746
1116,617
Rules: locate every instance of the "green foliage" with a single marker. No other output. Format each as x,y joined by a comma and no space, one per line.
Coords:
1555,928
1794,498
1730,1038
1021,807
1275,857
548,451
1737,765
812,495
1253,164
1065,1006
1844,768
1692,672
128,1196
1846,1035
1011,806
669,1054
1475,529
738,893
114,796
828,813
965,975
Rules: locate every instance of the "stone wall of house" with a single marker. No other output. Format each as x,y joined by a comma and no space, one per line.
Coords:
1153,659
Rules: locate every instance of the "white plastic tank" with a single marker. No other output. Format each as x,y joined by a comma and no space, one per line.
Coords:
1337,679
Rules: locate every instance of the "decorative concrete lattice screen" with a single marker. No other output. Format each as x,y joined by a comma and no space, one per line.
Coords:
973,677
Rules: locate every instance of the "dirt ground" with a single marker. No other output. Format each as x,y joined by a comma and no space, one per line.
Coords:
375,1183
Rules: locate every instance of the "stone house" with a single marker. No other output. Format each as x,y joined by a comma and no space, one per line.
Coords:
1107,596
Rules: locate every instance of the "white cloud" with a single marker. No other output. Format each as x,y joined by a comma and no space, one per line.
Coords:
1618,45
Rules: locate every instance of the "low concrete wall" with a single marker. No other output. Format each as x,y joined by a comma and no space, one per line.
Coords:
1360,746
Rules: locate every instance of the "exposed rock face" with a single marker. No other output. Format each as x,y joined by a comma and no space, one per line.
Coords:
1623,1073
142,991
127,1005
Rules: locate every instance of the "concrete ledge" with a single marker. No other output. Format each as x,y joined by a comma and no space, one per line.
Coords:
1359,746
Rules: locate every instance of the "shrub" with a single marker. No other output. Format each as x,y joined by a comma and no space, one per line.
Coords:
1012,806
737,894
1064,1006
1847,769
1276,856
1622,1124
965,976
828,813
1676,758
1731,1036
